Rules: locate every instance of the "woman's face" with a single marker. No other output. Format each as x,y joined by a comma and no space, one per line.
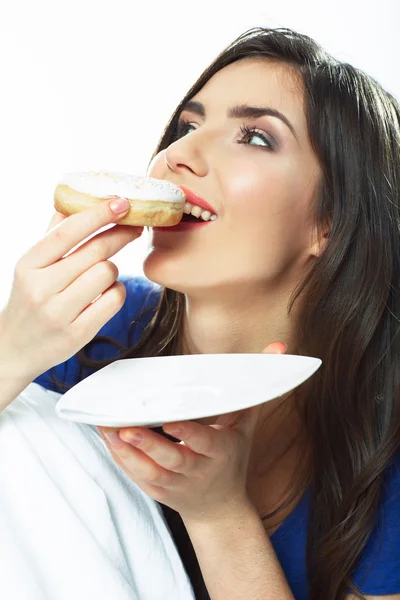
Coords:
260,183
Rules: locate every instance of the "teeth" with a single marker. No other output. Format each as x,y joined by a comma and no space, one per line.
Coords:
197,211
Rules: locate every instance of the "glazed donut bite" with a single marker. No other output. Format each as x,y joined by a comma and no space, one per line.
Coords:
153,202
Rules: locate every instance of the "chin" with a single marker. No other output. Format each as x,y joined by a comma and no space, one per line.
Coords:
174,273
157,268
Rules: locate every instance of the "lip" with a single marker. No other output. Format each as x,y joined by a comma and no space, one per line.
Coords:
184,226
197,200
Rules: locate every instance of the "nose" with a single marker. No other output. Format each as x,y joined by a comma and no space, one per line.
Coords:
182,156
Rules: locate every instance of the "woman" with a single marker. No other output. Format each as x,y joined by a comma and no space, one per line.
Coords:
298,154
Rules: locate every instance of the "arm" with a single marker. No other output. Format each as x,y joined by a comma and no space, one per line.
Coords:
237,559
41,325
12,380
202,475
395,597
10,387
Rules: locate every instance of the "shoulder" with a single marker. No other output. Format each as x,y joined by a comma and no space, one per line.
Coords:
378,571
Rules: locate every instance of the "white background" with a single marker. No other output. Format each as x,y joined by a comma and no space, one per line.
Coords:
89,84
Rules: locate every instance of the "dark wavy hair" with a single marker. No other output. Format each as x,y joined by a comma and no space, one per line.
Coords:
350,316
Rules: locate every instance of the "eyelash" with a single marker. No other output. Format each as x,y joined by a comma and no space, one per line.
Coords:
246,131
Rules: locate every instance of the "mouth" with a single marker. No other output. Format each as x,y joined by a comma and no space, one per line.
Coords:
197,202
196,210
197,213
184,225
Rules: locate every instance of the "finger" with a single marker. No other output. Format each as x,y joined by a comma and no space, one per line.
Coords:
169,455
140,467
56,219
109,433
91,318
88,291
88,255
275,348
70,232
156,492
230,419
112,442
243,421
205,440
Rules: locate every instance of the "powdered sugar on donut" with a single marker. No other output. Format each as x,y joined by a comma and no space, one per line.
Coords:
104,184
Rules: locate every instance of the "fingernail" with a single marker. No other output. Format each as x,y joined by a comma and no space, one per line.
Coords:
119,205
175,432
113,438
136,439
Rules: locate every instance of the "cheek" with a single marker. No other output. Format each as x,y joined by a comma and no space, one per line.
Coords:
277,188
262,188
266,204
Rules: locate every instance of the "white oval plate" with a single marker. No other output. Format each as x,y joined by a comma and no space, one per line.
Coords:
156,390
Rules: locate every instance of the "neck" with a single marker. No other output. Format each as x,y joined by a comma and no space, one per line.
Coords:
241,320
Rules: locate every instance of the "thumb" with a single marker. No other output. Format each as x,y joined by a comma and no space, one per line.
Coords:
275,348
231,419
243,421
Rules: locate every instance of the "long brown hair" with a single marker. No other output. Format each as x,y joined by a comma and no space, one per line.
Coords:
350,316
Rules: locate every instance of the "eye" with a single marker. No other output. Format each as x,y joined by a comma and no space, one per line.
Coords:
256,134
182,128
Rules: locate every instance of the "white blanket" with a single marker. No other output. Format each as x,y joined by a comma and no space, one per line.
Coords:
73,526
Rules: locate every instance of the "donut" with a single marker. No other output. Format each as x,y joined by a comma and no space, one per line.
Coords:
153,202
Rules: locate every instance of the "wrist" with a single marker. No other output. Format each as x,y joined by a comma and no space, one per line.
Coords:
12,368
234,511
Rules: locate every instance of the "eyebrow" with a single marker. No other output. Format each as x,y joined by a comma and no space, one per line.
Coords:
243,111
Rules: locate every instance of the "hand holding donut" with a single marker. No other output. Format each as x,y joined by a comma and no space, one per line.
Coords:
49,315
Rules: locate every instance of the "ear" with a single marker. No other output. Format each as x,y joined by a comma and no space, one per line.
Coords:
319,241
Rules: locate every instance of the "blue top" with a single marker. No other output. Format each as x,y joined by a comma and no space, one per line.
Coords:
378,571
